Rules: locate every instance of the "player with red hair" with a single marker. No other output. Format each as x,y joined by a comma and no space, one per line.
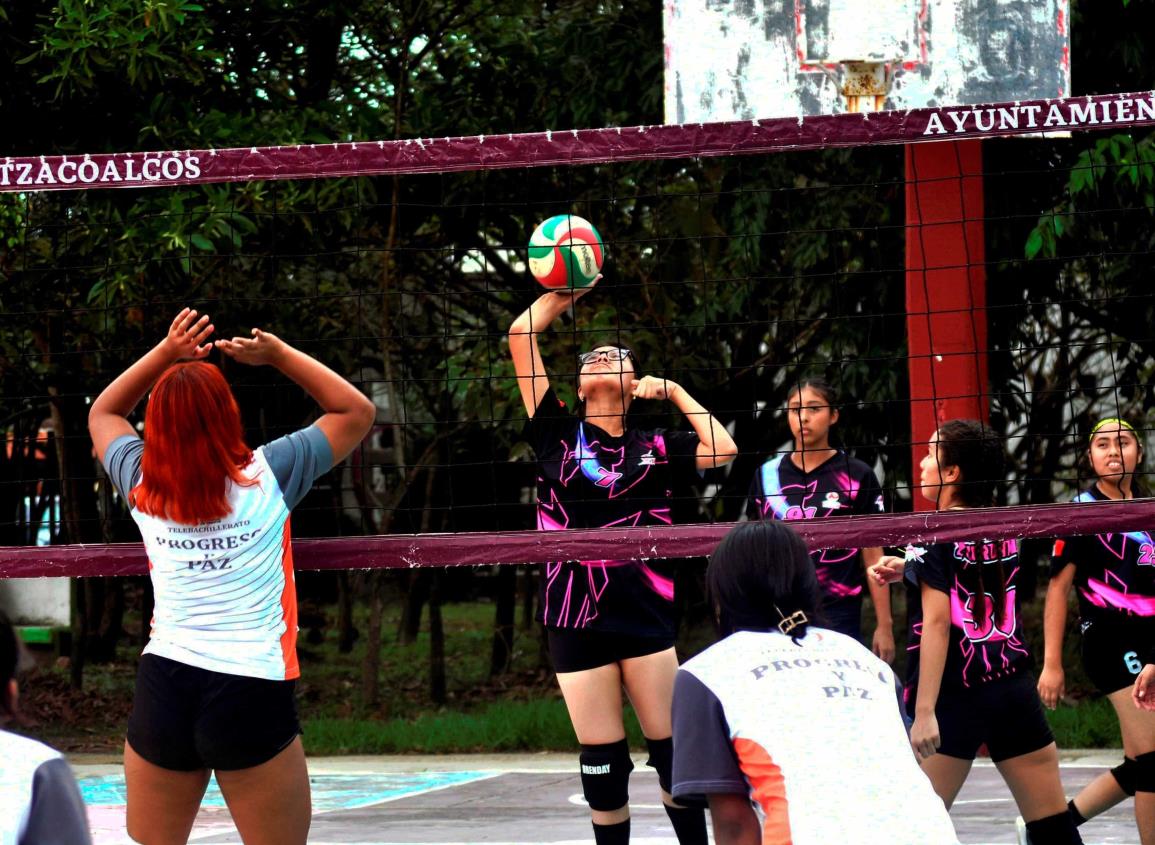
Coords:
214,688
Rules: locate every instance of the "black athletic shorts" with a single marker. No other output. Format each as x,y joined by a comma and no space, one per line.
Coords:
845,617
576,649
1006,715
1114,651
185,718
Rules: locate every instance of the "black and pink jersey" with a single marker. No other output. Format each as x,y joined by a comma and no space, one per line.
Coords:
1114,573
840,486
980,650
590,479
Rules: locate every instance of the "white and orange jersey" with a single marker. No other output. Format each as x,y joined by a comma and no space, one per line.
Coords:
225,591
811,732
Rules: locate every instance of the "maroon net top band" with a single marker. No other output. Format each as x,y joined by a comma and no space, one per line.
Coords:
403,551
1113,112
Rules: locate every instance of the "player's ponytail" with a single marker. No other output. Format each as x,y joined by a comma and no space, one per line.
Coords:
973,448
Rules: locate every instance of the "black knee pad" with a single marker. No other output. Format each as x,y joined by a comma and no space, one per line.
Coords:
1125,774
606,775
1145,772
662,760
1058,829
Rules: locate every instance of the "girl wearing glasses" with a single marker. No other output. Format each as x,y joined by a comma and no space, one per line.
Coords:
610,623
1114,577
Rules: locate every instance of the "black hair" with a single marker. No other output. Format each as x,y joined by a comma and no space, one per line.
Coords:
975,450
759,574
820,386
10,653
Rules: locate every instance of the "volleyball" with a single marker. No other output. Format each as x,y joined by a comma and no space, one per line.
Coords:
565,251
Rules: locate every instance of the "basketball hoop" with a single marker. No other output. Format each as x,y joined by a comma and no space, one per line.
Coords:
866,47
864,85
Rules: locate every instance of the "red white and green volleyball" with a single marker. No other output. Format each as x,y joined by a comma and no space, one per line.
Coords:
565,251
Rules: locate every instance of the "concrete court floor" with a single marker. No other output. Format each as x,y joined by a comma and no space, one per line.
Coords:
519,799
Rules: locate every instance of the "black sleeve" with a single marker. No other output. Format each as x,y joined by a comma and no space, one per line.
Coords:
682,450
935,569
1065,552
550,422
704,759
869,499
57,814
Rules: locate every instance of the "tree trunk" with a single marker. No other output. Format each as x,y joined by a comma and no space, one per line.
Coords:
528,595
371,662
501,656
416,594
80,519
436,642
346,633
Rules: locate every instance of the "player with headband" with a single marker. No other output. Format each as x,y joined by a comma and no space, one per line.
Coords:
968,679
817,481
214,687
1114,578
772,715
610,623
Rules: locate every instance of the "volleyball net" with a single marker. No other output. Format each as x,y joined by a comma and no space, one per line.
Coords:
742,259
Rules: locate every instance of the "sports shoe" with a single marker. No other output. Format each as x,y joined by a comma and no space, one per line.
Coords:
1021,835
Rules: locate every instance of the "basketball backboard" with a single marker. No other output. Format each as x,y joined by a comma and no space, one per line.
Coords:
750,59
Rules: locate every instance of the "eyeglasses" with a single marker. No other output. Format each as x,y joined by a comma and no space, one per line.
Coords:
613,354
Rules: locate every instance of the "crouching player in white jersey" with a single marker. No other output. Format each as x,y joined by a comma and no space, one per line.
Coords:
214,689
768,722
39,801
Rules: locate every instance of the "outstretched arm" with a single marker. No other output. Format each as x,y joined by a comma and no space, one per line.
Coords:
348,412
108,416
532,379
715,447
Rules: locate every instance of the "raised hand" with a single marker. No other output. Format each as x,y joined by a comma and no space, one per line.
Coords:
262,348
187,335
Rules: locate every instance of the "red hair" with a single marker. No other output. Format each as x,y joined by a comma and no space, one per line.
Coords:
194,444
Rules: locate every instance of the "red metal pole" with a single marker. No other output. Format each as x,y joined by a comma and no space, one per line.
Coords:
946,320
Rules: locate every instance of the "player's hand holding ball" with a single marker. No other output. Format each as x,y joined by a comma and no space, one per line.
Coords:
262,348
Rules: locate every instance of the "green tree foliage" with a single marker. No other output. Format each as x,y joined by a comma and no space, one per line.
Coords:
1080,210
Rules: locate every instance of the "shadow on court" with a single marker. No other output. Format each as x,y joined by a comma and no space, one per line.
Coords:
523,799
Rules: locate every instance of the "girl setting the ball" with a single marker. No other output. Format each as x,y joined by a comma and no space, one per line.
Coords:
610,623
215,685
